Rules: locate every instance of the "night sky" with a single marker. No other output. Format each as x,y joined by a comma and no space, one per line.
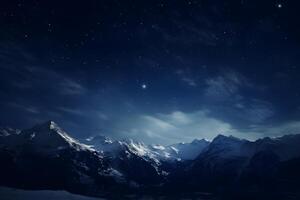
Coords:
156,71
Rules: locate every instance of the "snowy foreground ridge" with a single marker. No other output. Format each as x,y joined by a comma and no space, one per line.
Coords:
18,194
46,157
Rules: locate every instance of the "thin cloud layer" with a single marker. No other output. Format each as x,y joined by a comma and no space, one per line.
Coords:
176,127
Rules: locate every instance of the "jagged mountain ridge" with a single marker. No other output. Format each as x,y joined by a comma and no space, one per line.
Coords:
174,152
45,156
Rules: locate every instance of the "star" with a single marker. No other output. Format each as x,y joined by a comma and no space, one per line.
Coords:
279,5
144,86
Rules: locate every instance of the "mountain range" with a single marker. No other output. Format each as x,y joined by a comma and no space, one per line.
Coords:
46,157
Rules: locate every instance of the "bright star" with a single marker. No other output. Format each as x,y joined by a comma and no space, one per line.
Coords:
144,86
279,5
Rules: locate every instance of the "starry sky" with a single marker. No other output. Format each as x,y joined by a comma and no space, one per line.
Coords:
156,71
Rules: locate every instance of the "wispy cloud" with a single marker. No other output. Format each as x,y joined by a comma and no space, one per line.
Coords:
226,85
189,81
159,123
275,130
84,112
71,111
13,55
228,92
181,126
176,126
186,77
70,87
188,33
26,108
48,79
258,111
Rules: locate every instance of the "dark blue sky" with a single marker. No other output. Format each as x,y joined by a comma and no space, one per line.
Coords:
157,71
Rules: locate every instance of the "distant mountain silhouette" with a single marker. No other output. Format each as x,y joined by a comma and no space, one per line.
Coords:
46,157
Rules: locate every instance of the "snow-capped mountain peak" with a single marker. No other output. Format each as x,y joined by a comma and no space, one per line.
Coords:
100,139
6,131
188,151
49,136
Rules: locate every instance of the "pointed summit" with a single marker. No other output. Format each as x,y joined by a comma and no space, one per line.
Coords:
49,125
49,135
200,141
222,138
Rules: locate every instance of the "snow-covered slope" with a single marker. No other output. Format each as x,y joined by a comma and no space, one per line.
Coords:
156,153
46,137
125,153
49,135
6,131
105,145
18,194
187,151
45,156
